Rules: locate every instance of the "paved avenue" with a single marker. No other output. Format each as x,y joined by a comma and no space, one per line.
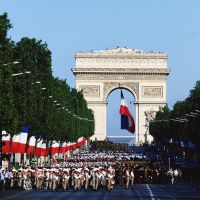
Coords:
186,191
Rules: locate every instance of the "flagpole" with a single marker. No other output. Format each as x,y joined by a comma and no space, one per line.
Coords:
22,160
50,155
13,158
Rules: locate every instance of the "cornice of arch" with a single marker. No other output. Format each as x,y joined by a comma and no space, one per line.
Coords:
164,71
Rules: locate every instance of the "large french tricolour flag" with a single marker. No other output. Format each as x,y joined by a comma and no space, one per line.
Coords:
127,121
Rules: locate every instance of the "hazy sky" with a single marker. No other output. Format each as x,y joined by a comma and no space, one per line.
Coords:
68,26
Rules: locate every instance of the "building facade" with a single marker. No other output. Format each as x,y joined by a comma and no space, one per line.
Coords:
144,74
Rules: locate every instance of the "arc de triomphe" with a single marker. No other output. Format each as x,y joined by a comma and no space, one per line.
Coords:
144,74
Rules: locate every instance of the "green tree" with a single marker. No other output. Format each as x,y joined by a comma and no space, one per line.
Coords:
31,99
46,103
182,123
7,108
193,127
159,128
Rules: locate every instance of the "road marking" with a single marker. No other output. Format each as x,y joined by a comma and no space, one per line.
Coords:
166,193
105,198
138,194
150,192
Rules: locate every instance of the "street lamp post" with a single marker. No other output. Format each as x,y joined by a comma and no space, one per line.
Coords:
169,163
21,73
14,63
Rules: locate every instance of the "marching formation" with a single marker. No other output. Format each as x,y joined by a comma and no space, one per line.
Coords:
89,171
55,178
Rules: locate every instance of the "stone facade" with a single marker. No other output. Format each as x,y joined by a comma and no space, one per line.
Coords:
144,74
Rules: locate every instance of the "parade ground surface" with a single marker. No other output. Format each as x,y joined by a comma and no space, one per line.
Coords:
183,191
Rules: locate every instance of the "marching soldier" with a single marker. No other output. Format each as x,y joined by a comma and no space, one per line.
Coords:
179,175
171,176
121,176
103,178
87,178
176,174
110,176
37,179
7,178
46,179
72,177
65,180
94,178
98,179
2,179
41,178
127,177
25,177
82,180
33,178
77,177
50,182
12,175
132,177
55,179
20,178
27,180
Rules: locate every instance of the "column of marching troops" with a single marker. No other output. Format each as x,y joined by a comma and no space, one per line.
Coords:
54,178
87,173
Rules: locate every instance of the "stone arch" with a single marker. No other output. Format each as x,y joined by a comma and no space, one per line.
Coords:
144,74
110,86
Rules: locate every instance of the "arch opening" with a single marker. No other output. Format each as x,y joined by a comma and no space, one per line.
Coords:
113,121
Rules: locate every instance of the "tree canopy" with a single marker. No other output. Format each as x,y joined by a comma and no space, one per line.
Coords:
180,123
30,94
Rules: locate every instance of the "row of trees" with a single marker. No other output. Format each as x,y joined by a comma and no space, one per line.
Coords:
30,94
181,123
